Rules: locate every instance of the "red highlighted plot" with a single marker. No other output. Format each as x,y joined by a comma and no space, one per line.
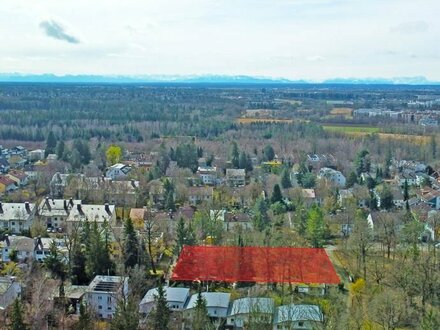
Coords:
255,264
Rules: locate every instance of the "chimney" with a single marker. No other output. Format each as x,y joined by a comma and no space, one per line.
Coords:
27,207
48,203
71,202
107,208
7,241
38,243
78,207
65,205
1,208
133,183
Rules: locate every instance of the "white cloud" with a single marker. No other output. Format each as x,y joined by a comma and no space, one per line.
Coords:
313,39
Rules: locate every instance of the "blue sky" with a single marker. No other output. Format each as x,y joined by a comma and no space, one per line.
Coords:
296,39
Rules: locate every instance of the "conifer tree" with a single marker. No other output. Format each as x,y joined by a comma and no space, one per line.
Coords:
17,322
161,314
200,319
285,179
276,195
51,144
131,245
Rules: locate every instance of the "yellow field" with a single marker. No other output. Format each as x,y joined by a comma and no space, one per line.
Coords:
341,111
363,131
263,120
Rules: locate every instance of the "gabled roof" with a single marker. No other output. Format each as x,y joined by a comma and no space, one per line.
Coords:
213,299
293,313
172,294
249,305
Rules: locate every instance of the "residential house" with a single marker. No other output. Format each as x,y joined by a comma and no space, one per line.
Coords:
20,177
54,212
101,189
7,184
90,212
409,176
332,176
198,195
17,161
235,177
118,171
42,247
10,290
23,246
176,299
259,310
217,304
208,175
235,220
430,196
59,182
36,155
298,317
4,165
16,217
104,293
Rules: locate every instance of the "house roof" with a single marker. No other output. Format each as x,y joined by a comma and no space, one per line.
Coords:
56,207
103,283
21,243
213,299
16,211
235,172
293,313
91,212
200,191
249,305
172,294
7,181
254,264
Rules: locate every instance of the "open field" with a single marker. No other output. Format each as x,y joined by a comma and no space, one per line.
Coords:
341,111
263,120
362,131
351,129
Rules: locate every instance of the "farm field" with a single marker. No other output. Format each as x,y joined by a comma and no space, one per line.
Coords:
363,131
263,120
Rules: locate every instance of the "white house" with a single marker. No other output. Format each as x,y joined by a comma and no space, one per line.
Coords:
299,317
176,299
217,303
98,213
118,171
207,174
42,247
23,246
54,212
260,309
16,217
332,176
104,292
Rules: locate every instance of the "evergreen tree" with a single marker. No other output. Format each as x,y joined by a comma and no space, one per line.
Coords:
169,202
268,153
315,226
78,275
405,190
17,316
261,219
362,162
181,234
131,245
54,262
200,319
234,155
51,144
60,149
386,198
351,180
285,179
242,160
249,167
126,315
163,161
161,314
276,195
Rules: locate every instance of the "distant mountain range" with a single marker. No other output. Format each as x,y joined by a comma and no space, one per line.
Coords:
204,79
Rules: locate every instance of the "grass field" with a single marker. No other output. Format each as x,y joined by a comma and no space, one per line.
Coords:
351,129
263,120
363,131
341,112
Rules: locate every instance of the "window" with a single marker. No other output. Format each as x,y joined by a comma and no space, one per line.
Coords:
13,223
109,308
100,307
109,300
99,297
300,323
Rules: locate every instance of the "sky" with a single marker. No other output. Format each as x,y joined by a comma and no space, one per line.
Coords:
294,39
